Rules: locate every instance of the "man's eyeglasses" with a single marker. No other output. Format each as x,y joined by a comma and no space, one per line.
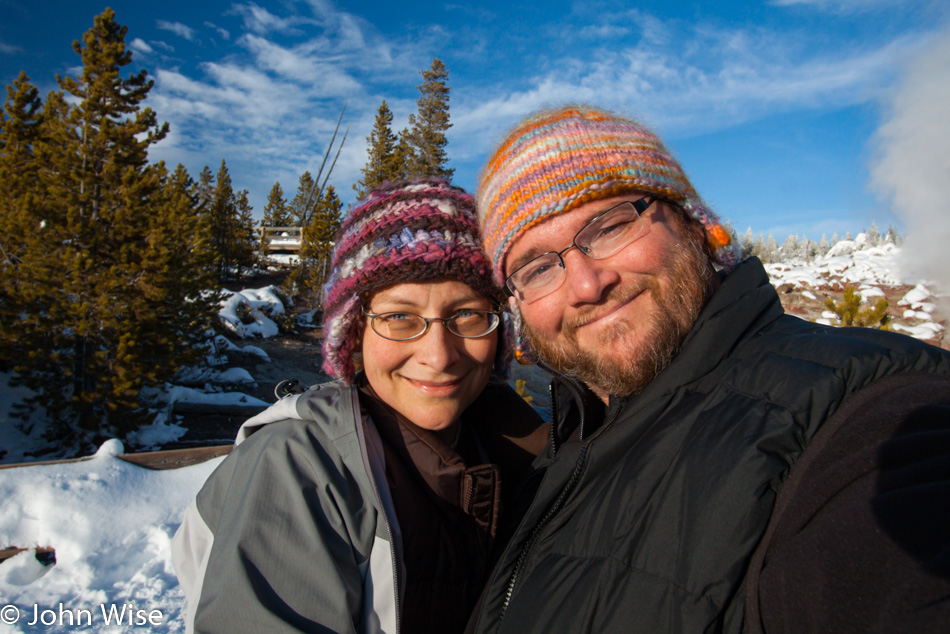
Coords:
401,326
605,235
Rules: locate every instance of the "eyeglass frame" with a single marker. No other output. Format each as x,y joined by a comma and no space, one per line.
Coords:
639,206
428,321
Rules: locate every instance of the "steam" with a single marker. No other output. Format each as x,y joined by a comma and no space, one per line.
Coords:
912,166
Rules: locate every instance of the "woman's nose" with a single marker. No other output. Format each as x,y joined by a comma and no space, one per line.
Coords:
438,348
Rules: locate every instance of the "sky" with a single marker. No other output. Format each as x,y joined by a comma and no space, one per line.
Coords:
805,117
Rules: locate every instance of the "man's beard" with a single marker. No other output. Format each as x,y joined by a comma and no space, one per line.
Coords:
676,308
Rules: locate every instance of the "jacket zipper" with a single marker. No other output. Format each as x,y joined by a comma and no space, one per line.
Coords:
553,510
539,527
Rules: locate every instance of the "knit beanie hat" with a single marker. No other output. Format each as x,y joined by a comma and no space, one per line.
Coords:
404,232
556,161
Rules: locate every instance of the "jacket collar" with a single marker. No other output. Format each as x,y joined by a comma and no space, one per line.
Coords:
459,482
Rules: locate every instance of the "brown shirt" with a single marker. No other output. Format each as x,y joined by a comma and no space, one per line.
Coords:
448,499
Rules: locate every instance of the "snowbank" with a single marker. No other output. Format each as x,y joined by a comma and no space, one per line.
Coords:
110,523
250,312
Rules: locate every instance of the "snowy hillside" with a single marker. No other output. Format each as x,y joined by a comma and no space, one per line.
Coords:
110,522
914,307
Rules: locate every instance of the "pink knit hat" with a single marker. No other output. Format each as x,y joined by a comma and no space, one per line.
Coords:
405,232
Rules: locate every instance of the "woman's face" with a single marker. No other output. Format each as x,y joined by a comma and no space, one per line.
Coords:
432,379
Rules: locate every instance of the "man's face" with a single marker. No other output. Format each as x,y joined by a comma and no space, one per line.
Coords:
616,323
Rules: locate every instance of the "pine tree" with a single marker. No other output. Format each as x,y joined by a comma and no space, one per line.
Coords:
245,239
426,133
791,248
20,131
893,236
321,232
383,162
851,313
304,202
402,157
276,212
307,279
178,273
100,252
20,123
204,189
221,210
746,244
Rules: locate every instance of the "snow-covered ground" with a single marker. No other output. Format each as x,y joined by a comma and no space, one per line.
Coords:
879,271
111,522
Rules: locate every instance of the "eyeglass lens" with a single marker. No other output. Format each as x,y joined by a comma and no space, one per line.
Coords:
466,323
601,238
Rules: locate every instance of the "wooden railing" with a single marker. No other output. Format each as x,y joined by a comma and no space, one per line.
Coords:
281,239
156,460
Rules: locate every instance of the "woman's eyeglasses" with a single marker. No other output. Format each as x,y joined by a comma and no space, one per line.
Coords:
403,326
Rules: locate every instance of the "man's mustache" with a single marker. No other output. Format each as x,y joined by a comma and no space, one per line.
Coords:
615,297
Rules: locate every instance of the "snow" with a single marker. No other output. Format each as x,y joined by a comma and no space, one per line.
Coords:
260,306
872,270
177,393
874,266
917,295
111,522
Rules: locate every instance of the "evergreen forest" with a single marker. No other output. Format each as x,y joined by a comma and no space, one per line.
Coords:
111,265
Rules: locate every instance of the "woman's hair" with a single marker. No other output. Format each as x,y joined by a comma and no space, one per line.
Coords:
405,232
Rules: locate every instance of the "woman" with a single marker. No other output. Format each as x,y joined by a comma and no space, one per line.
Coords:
371,503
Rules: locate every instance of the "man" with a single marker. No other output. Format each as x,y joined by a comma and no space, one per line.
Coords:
716,465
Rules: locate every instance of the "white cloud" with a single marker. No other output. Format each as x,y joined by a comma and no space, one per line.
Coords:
271,109
9,49
688,80
168,48
178,29
261,21
607,33
841,6
303,65
913,159
225,35
140,45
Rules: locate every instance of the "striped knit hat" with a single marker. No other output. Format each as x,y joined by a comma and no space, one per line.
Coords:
555,161
406,232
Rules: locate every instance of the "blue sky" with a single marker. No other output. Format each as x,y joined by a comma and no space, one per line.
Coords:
778,110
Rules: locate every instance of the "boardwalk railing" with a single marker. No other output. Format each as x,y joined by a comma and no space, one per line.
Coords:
281,239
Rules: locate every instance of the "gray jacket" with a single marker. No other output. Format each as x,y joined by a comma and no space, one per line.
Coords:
296,527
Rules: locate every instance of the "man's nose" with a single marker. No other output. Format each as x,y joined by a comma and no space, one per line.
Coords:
587,279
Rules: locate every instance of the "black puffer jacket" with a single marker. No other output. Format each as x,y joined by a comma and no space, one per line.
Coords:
647,512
